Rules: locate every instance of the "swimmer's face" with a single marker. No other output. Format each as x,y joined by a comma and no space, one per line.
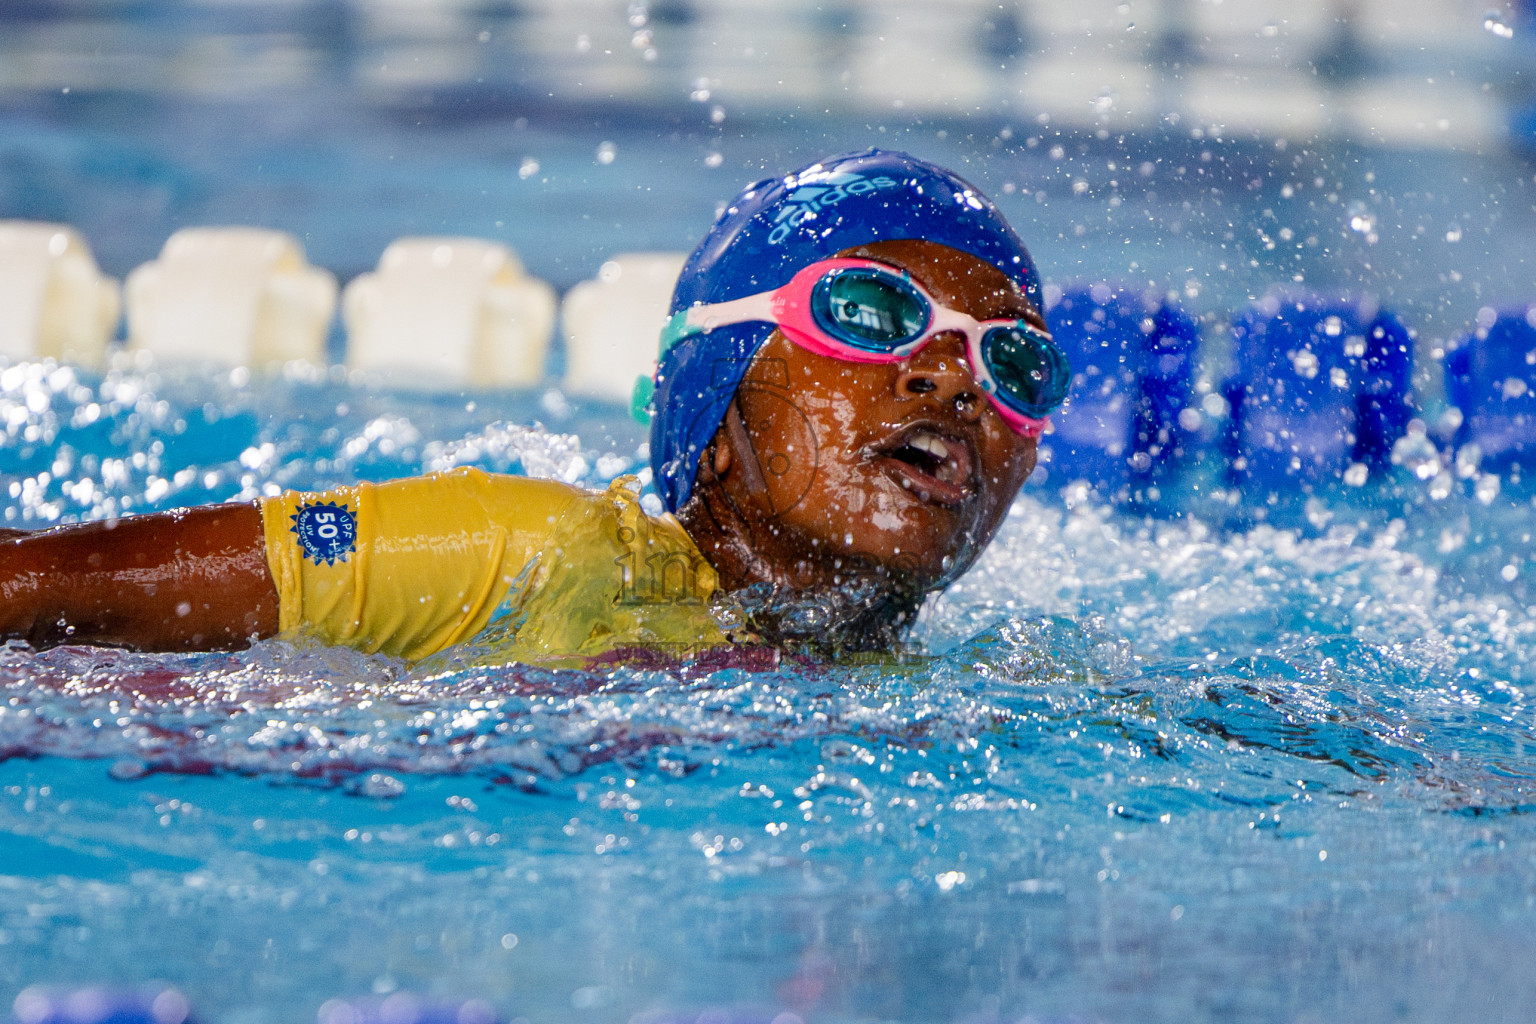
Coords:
905,468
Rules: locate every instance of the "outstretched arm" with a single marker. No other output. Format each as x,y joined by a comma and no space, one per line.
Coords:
190,580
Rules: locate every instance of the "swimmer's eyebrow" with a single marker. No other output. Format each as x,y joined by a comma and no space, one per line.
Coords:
1006,302
1007,307
1014,307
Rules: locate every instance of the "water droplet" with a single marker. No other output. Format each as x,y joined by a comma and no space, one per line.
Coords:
606,151
1360,218
591,997
528,168
713,160
127,770
1417,453
1468,456
380,785
1494,22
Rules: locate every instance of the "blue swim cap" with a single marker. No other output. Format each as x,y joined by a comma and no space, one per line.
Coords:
775,228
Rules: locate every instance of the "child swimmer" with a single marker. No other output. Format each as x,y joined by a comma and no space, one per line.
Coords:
848,398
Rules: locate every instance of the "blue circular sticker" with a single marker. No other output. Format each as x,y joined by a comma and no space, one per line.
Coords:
327,531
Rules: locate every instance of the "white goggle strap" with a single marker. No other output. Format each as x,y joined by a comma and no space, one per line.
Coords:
704,318
696,320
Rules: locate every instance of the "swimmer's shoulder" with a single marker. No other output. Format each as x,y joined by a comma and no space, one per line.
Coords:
519,503
473,476
507,497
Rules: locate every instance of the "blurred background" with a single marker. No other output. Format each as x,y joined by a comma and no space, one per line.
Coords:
1213,148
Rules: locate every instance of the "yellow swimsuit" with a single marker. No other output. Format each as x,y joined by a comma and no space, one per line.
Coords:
534,570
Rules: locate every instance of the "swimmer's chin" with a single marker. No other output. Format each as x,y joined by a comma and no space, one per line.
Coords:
860,614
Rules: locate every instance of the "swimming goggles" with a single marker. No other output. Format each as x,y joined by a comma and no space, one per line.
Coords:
866,312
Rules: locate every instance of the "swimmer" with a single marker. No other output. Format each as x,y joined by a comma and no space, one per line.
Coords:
848,398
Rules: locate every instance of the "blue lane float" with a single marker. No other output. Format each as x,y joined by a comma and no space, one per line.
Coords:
407,1008
1125,428
151,1005
1490,379
1320,392
166,1005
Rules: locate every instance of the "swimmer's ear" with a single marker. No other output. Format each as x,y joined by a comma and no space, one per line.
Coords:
740,446
716,460
731,444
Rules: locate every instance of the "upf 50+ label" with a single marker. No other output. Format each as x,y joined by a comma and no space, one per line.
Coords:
327,531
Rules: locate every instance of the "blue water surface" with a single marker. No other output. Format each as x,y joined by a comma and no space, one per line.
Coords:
1130,769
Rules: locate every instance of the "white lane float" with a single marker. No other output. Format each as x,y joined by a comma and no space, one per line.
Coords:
611,324
449,312
54,302
234,296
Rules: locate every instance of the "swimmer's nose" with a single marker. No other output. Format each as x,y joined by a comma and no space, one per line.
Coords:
938,371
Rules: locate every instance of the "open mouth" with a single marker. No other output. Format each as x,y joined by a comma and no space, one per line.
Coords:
936,467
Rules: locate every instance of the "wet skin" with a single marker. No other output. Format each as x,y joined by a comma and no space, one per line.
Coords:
192,580
851,482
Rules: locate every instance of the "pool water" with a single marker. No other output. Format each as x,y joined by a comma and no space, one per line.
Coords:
1130,769
1210,766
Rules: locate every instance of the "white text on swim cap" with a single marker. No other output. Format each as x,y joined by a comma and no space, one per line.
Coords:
806,201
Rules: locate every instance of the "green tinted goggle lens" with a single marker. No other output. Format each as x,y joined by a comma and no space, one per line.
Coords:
868,311
1031,372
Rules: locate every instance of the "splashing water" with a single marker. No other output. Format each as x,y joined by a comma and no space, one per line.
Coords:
1494,22
1129,768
